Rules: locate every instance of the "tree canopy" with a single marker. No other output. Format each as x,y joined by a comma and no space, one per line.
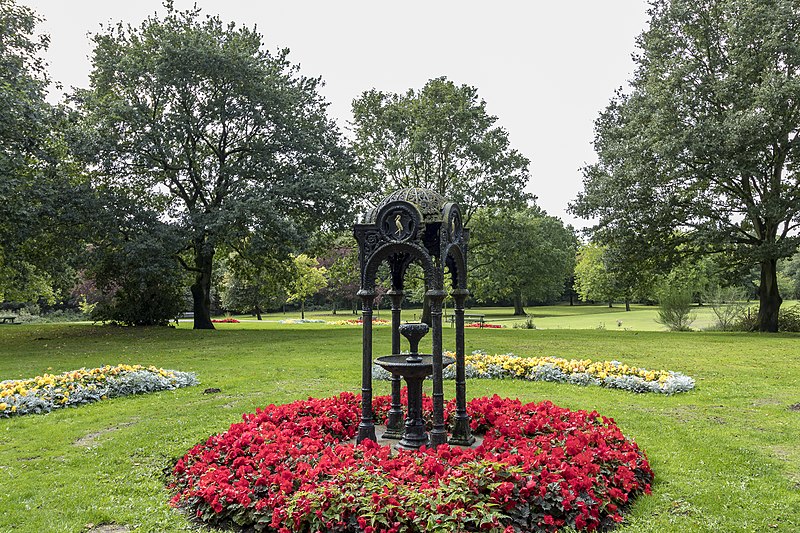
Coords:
706,140
309,278
44,202
439,138
520,254
227,140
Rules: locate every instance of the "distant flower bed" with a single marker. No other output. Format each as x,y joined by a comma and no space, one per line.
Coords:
42,394
301,321
290,468
228,320
359,322
484,325
611,374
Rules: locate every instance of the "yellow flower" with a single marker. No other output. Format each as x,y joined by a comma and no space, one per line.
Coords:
3,406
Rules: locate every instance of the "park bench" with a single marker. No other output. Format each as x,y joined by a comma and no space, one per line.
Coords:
8,319
468,317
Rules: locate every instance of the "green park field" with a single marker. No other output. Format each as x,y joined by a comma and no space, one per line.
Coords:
725,455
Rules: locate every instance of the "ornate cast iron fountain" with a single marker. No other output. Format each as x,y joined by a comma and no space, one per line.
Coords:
414,225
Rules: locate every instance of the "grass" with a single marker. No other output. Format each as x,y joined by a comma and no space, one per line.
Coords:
725,455
562,316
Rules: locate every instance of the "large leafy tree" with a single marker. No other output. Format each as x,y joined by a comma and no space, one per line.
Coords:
441,138
43,202
706,140
227,140
520,254
608,273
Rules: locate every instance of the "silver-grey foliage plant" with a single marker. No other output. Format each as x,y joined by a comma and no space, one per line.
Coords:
45,399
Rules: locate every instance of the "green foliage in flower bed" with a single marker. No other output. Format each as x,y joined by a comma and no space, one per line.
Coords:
725,455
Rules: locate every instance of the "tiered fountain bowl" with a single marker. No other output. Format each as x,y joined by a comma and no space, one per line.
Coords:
414,368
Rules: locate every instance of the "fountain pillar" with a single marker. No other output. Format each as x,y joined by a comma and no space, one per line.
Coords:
462,434
366,428
438,434
394,421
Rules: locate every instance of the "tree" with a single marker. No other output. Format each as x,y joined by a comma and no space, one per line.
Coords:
790,268
342,271
439,138
521,254
45,203
706,139
131,263
309,278
253,287
227,140
593,280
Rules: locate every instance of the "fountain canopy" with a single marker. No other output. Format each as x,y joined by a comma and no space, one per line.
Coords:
415,225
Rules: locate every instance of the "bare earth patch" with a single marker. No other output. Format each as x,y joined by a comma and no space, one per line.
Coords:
107,528
795,407
90,438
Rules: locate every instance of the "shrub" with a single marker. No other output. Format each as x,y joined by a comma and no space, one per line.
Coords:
675,309
728,305
788,319
528,324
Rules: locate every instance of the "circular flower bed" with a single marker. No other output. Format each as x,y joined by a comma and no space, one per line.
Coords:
289,468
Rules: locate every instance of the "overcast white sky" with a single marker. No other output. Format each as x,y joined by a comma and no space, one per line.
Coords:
545,68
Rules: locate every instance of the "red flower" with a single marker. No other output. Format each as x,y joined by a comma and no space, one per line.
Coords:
290,468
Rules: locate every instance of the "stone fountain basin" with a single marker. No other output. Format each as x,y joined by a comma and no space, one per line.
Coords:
399,364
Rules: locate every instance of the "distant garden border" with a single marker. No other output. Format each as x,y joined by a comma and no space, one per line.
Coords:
610,374
44,393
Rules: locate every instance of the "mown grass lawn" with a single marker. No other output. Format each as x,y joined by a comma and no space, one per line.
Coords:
561,316
726,456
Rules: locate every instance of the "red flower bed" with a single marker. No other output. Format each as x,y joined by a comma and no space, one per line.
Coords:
483,326
286,469
228,320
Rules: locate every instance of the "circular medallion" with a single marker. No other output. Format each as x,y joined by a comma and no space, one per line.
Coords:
398,221
453,221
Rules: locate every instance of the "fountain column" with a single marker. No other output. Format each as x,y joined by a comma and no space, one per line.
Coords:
438,434
366,428
394,422
462,434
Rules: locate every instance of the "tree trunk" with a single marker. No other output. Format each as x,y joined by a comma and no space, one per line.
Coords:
334,308
611,303
627,304
201,288
571,299
258,312
769,298
302,309
519,309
